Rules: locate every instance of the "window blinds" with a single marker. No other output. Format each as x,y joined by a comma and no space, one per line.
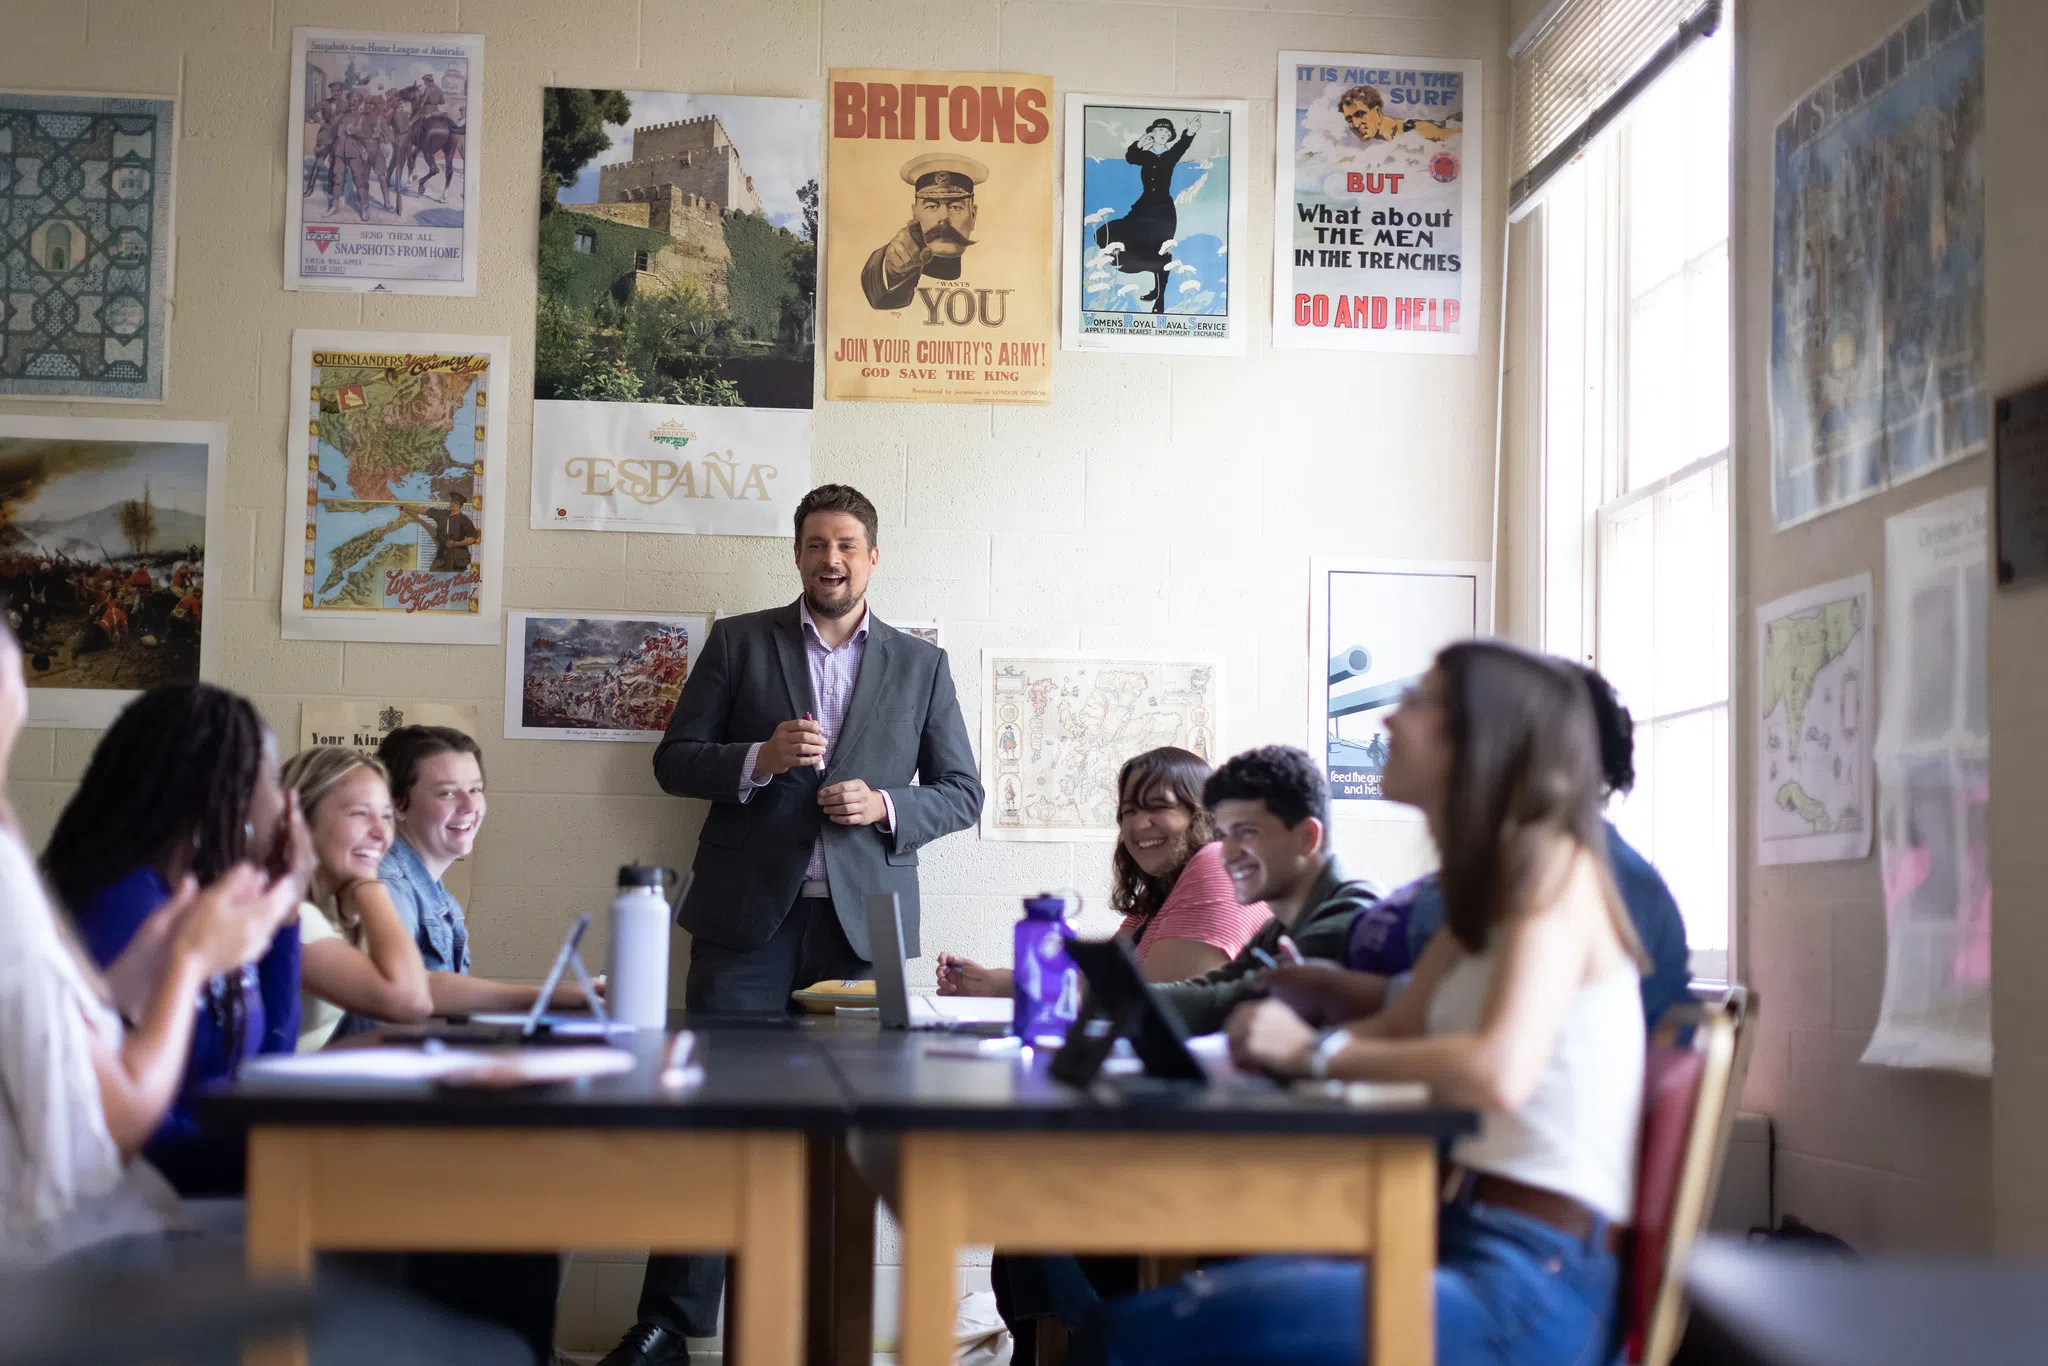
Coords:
1576,69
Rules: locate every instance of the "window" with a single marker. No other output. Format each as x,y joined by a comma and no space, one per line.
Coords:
586,241
640,259
1634,245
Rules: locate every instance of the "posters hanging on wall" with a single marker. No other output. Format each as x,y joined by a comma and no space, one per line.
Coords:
939,278
926,631
1374,628
361,724
1813,773
386,190
596,675
1877,279
675,329
1377,183
1156,195
104,562
395,487
1934,791
85,246
1056,727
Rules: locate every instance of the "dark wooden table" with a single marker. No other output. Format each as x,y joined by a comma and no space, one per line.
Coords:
981,1146
192,1312
1764,1306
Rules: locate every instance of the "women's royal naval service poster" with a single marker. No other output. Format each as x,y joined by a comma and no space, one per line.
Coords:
1156,194
395,488
940,251
383,194
1377,185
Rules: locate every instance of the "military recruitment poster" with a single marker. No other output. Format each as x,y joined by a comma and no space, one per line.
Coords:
1378,183
395,488
939,283
675,329
1156,196
383,194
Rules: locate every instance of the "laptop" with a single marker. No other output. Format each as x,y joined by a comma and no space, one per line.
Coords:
901,1010
534,1025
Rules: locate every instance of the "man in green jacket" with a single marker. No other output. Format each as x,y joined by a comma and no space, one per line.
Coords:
1272,811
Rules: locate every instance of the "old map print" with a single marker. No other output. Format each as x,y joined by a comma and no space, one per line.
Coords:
400,473
1813,800
1055,728
85,241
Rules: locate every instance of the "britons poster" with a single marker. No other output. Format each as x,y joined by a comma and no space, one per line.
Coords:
385,192
675,329
596,675
104,568
1156,202
939,287
395,487
1377,179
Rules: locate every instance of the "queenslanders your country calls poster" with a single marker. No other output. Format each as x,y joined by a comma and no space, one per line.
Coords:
939,281
1378,183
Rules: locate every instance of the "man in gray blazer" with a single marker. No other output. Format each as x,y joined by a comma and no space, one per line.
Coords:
804,727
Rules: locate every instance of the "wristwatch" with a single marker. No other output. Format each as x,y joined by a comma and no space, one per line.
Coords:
1328,1044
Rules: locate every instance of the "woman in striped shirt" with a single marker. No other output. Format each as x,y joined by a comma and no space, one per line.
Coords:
1181,917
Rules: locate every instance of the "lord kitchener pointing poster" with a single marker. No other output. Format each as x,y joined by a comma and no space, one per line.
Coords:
939,237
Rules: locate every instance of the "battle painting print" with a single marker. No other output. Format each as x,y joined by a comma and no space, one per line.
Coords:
1155,203
385,193
939,286
1376,236
596,675
676,326
85,246
103,557
395,488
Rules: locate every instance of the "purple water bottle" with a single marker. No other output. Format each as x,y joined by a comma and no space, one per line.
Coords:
1047,985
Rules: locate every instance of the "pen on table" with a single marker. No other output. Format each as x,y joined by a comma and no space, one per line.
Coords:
1290,951
1266,959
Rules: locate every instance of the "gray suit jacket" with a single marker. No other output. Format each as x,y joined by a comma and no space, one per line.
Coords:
903,720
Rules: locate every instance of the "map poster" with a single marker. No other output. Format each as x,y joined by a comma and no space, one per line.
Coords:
1934,791
1877,269
105,568
397,457
1377,179
940,254
1813,774
676,322
1375,626
85,246
385,193
1156,200
596,675
1056,727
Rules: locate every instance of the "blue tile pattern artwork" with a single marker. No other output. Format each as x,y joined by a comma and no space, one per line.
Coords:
85,236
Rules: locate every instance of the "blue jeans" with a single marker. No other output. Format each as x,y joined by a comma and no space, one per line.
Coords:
1510,1291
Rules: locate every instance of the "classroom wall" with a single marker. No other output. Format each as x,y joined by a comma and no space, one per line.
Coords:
1158,503
1891,1160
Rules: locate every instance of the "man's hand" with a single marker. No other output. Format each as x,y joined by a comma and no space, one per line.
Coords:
905,253
853,803
795,744
1265,1036
1325,994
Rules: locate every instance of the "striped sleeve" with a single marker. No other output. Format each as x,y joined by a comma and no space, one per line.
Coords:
1203,906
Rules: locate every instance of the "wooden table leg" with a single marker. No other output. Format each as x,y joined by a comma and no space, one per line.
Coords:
933,1205
769,1298
1401,1291
841,1318
279,1237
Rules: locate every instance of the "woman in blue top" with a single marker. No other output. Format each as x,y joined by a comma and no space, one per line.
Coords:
185,784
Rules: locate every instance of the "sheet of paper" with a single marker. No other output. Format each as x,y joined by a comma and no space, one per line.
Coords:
961,1010
364,1064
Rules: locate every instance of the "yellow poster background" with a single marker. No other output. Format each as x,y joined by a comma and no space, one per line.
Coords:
995,344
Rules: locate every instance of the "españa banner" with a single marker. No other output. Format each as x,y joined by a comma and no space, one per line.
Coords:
939,237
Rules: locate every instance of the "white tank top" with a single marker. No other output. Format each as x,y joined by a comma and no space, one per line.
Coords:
1576,1134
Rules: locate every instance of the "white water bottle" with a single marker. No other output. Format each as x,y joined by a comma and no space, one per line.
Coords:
636,989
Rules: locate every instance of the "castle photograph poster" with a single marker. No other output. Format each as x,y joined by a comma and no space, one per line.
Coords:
676,321
385,191
939,279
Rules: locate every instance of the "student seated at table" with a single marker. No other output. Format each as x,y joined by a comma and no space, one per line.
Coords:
1528,1009
85,1092
1181,917
356,953
184,783
1388,941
